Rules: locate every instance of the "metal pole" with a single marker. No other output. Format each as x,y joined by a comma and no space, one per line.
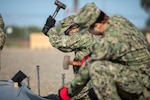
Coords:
75,6
38,77
28,81
63,80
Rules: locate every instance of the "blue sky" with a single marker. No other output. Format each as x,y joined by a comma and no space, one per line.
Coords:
35,12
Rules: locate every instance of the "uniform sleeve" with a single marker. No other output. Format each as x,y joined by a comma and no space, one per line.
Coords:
100,52
2,34
68,43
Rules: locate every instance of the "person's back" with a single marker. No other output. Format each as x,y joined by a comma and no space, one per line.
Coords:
2,34
128,45
126,35
125,45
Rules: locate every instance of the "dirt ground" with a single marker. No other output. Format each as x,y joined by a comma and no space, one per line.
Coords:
50,63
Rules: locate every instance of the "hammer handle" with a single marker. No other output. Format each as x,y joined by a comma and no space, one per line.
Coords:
56,11
76,63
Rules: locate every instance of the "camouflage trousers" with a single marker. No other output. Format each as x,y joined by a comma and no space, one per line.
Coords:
112,81
83,94
87,93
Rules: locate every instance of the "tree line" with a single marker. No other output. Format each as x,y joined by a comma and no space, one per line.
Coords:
20,32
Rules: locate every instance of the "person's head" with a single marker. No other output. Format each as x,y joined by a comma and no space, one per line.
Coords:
66,22
72,29
87,15
100,25
92,17
68,25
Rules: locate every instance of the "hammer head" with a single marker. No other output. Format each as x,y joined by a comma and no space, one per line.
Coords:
66,62
60,4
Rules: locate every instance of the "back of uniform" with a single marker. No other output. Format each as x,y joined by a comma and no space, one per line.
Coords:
2,34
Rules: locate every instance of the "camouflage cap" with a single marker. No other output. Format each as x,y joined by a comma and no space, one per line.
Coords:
67,22
87,15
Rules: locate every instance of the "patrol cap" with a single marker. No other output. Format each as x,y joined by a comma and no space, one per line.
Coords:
87,15
67,22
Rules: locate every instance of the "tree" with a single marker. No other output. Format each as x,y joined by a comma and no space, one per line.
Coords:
146,6
21,32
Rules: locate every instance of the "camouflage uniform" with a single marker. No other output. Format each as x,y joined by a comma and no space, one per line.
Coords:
2,34
119,67
80,42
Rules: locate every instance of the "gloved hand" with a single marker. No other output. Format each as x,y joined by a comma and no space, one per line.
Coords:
52,97
50,22
63,94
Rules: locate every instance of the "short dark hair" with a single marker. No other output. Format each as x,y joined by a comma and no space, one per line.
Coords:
100,18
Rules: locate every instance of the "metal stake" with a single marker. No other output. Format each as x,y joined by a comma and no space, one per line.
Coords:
28,81
38,77
63,80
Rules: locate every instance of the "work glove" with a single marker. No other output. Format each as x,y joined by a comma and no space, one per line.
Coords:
63,94
52,97
50,22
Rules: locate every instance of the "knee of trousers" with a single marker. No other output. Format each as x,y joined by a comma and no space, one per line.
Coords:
105,68
97,66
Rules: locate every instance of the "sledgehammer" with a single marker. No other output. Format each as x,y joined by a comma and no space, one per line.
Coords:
59,5
50,22
67,62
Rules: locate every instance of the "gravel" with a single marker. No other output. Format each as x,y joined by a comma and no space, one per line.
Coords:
50,62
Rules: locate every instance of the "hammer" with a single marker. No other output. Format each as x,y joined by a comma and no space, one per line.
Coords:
49,22
67,62
59,5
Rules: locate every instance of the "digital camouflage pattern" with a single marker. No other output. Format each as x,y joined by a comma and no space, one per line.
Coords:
80,43
87,15
2,34
120,61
